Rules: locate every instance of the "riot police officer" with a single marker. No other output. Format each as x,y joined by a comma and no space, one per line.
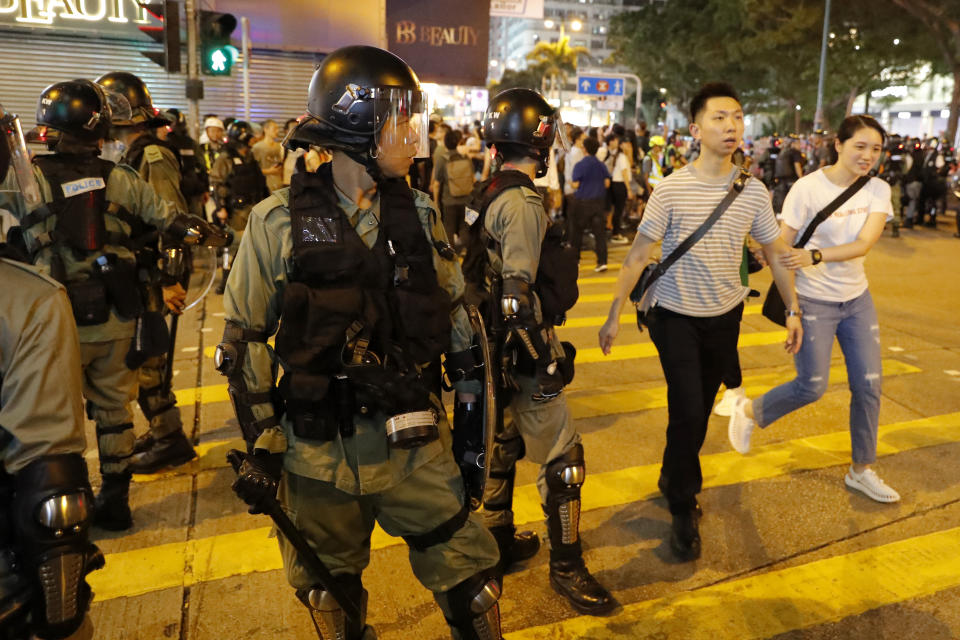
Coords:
158,162
45,496
354,268
214,130
237,184
934,175
81,236
526,298
787,170
194,181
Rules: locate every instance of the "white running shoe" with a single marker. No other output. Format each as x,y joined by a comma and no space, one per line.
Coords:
728,401
619,239
600,268
870,484
740,426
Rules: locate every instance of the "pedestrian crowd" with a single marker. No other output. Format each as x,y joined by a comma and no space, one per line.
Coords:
393,257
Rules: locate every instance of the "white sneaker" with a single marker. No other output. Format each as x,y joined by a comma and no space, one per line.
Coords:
740,426
600,268
870,484
728,401
619,239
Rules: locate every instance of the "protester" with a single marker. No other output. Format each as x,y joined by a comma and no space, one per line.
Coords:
834,300
268,153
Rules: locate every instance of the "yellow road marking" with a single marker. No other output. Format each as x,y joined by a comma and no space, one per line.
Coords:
776,602
149,569
597,280
629,318
584,403
648,350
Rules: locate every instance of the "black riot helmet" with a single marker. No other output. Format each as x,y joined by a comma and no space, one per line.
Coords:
80,108
142,111
521,122
239,132
358,97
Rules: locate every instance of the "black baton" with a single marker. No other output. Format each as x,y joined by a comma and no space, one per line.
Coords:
306,555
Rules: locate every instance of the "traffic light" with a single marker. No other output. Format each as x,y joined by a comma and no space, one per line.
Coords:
166,33
217,55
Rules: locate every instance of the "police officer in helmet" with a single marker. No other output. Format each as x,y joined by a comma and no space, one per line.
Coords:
354,269
529,279
45,496
194,181
82,236
158,162
237,184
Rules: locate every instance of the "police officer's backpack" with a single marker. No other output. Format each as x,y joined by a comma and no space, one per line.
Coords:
556,281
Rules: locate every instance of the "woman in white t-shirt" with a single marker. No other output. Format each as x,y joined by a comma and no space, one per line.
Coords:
834,300
620,189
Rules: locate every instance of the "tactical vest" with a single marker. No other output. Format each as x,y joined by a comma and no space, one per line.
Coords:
193,175
246,183
359,325
78,185
558,266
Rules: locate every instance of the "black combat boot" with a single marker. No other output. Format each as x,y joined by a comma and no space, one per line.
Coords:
223,282
569,575
514,546
685,534
111,507
169,451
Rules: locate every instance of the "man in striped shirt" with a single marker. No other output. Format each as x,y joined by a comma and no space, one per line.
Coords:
698,302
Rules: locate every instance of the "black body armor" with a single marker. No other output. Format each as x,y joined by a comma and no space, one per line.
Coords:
362,328
78,186
246,184
193,174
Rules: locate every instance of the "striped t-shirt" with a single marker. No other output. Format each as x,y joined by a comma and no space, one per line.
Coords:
706,280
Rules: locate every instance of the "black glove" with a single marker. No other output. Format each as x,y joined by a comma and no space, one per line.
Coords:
549,381
192,230
468,445
258,478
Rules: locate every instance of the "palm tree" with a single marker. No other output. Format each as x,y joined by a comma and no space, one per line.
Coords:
558,60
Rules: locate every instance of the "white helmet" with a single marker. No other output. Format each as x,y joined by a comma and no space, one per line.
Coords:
213,122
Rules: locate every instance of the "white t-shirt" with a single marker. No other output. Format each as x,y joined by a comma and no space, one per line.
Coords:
833,281
574,156
619,165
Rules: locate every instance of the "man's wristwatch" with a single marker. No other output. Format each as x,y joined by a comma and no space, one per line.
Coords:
793,312
816,256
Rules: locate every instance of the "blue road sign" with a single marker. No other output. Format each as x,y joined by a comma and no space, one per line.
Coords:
608,85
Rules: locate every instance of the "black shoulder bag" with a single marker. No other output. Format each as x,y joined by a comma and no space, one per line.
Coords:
640,296
774,308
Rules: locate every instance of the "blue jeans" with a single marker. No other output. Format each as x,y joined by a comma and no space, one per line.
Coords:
854,323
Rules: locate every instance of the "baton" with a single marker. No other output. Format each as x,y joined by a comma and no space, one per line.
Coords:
306,555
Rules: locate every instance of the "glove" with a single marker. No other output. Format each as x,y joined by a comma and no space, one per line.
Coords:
468,445
549,381
192,230
258,479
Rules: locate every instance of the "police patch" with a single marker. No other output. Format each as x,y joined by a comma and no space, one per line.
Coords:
83,185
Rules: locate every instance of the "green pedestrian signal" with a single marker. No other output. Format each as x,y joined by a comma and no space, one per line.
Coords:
217,54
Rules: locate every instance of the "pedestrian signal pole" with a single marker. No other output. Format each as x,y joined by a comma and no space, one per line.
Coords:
818,116
194,86
245,48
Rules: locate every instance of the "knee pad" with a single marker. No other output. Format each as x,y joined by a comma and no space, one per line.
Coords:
328,617
473,607
51,514
565,476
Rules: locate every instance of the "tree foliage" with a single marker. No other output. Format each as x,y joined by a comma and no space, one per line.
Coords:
770,50
529,78
557,60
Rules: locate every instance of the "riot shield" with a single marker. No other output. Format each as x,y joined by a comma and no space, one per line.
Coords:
490,408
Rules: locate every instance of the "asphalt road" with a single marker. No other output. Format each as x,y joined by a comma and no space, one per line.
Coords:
788,551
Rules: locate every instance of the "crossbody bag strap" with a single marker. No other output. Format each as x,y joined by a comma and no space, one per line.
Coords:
738,184
828,210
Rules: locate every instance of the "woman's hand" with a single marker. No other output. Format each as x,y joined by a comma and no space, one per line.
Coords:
796,259
608,333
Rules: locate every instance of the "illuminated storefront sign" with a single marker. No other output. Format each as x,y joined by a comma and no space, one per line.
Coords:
115,18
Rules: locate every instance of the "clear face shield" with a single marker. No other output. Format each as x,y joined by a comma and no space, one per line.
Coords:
120,112
562,140
402,123
19,158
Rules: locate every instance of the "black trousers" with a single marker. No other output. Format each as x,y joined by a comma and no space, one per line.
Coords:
695,353
618,191
590,213
454,223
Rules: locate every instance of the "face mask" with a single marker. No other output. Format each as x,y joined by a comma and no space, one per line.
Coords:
113,150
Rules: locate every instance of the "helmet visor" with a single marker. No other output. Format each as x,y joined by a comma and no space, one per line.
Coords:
20,158
120,111
401,122
562,139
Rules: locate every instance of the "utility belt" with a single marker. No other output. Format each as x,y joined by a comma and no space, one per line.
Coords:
523,364
113,283
322,407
